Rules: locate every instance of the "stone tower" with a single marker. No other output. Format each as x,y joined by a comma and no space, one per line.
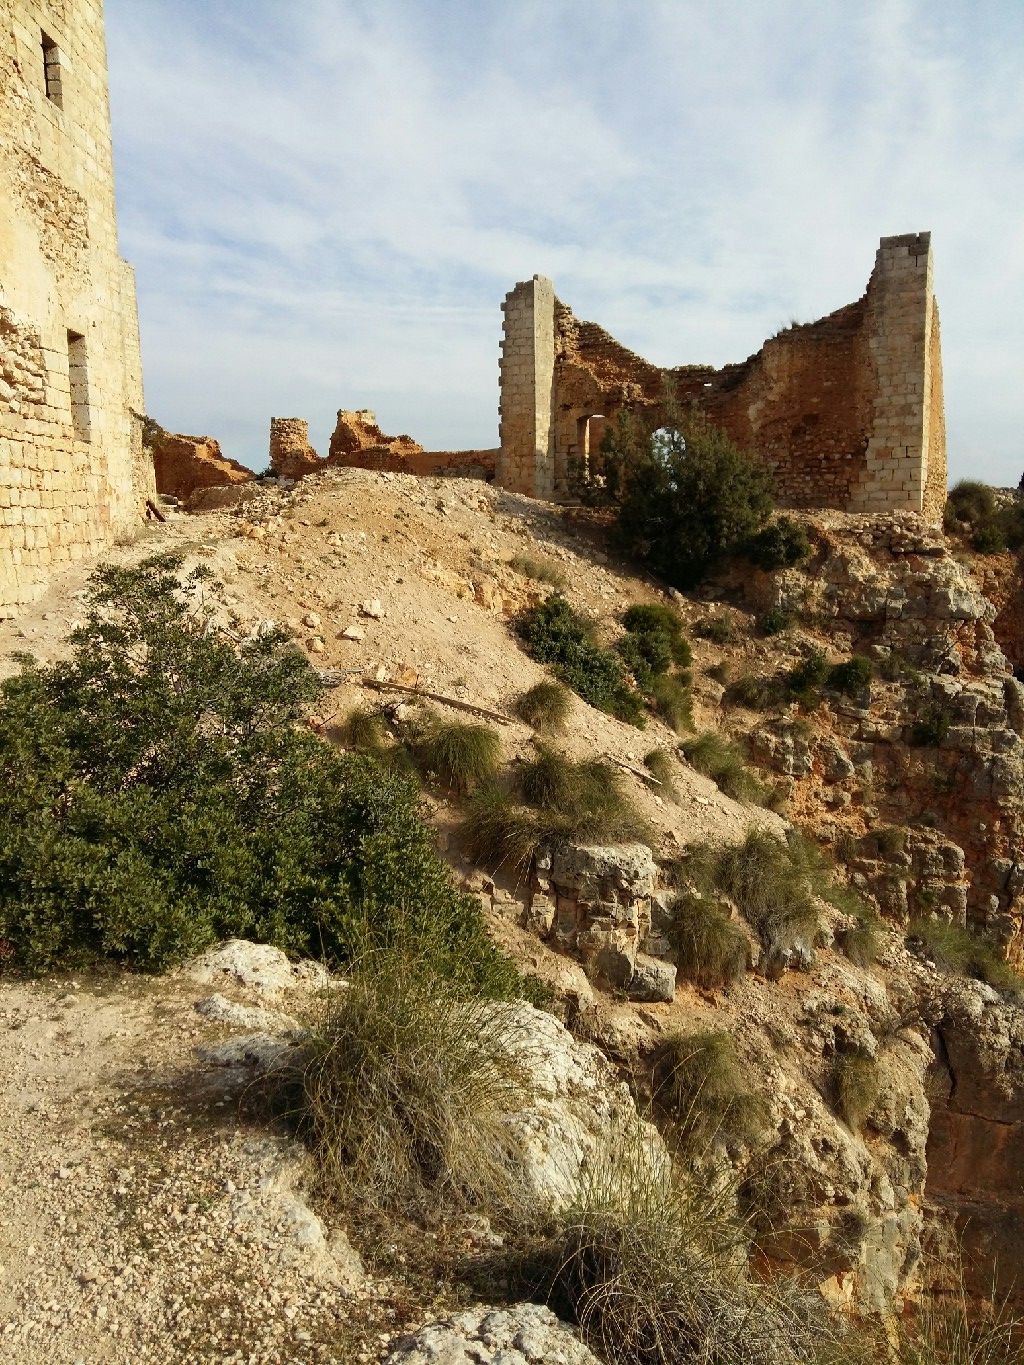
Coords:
72,472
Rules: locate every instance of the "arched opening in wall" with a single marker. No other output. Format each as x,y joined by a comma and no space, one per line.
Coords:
590,434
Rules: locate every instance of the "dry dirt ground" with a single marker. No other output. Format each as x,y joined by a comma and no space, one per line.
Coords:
124,1231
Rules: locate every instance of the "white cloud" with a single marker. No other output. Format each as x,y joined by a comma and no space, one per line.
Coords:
326,203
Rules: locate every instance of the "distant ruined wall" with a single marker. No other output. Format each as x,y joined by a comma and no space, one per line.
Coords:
846,411
359,443
73,474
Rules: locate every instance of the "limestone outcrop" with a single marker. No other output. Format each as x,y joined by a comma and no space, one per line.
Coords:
525,1334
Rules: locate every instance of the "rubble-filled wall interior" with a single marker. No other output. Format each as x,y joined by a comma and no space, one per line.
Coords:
847,410
72,470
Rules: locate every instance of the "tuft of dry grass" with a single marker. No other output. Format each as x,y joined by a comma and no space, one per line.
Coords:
698,1080
711,951
460,755
540,570
855,1085
406,1092
545,706
500,833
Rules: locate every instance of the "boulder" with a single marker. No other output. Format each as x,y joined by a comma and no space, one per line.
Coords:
524,1334
256,966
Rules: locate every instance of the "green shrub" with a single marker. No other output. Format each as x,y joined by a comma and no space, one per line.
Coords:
889,840
956,949
852,678
545,706
163,794
460,755
711,951
644,619
698,1080
775,621
930,727
688,499
720,629
554,634
541,570
673,702
988,540
647,656
992,525
406,1093
779,545
720,760
807,676
855,1086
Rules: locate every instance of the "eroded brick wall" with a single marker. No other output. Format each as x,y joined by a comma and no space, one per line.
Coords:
73,474
847,411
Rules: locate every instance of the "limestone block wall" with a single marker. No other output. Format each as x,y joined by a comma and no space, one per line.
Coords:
73,474
847,411
526,463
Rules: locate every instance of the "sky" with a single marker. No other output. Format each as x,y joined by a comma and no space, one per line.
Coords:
326,201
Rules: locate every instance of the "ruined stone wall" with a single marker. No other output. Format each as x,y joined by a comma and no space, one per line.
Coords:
847,411
359,443
526,461
72,470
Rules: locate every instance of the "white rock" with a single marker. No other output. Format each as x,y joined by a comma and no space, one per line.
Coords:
244,1016
525,1334
372,608
258,966
353,633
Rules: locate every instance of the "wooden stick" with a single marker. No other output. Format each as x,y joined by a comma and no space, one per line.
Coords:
436,696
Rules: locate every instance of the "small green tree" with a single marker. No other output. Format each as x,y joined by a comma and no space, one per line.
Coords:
687,496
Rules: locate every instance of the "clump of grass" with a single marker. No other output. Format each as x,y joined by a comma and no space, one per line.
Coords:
711,951
500,833
889,840
719,629
460,755
660,766
673,702
545,706
698,1080
720,672
540,570
772,883
862,942
720,760
957,949
855,1085
647,1261
407,1090
775,621
956,1328
754,691
584,800
556,635
852,678
364,730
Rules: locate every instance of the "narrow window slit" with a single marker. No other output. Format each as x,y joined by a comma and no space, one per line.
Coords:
51,71
78,372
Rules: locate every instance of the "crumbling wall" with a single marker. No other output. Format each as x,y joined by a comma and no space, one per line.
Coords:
847,411
184,464
73,474
359,443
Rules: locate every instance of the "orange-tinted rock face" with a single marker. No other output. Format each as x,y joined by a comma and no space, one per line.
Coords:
186,463
358,431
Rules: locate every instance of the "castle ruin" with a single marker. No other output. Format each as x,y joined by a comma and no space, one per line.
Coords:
847,411
73,474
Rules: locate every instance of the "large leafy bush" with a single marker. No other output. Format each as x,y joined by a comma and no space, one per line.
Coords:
687,496
161,791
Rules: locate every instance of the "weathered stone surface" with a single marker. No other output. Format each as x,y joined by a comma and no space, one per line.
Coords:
847,411
257,966
185,464
73,473
525,1334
